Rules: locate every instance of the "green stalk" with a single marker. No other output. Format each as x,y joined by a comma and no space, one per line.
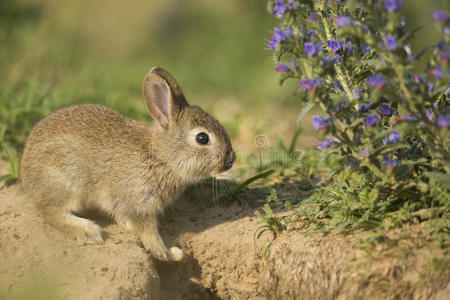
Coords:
410,98
340,73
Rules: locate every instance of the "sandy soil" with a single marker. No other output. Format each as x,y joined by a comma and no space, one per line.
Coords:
37,259
225,264
221,262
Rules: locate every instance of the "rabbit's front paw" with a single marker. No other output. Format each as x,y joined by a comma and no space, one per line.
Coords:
159,251
155,247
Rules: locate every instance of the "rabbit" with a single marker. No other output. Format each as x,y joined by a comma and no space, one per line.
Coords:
90,157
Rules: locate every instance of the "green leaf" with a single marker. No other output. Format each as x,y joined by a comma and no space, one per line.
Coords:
5,178
424,51
441,178
387,148
420,161
294,140
251,180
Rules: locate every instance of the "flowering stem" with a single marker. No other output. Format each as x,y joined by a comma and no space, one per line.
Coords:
399,72
340,73
410,97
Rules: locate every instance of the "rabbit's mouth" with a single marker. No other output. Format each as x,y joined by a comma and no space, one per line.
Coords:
218,173
228,160
222,176
222,169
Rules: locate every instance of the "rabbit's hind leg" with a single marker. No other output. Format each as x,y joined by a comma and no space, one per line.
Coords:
87,231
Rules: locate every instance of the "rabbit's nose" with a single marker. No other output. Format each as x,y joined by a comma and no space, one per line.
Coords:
230,159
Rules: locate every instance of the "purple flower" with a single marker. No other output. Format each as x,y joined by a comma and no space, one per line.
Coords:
418,78
409,118
444,53
393,5
363,151
356,93
306,84
391,43
312,18
366,49
342,21
376,81
278,36
310,32
309,84
341,106
312,49
437,72
326,143
447,30
364,107
430,86
348,46
289,31
334,45
338,85
331,60
292,63
391,162
320,122
440,16
429,114
291,4
282,68
371,120
444,50
280,9
385,110
442,45
392,138
444,120
335,59
271,45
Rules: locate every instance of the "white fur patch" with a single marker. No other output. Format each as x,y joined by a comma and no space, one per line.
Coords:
175,254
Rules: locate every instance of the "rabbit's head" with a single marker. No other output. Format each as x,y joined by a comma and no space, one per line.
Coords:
191,142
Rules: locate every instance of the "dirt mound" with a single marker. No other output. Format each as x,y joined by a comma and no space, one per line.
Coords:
221,262
224,262
39,260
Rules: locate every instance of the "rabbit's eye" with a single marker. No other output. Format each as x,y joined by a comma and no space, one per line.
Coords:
202,138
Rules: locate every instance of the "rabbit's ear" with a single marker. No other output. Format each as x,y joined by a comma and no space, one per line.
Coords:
174,86
161,102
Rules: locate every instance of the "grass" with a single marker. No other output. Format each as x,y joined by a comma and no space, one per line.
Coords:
58,55
268,222
12,171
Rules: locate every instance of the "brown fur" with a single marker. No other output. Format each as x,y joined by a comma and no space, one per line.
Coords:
89,156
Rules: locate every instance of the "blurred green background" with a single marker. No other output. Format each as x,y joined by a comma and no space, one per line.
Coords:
56,53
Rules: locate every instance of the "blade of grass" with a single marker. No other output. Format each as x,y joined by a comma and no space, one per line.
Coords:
251,180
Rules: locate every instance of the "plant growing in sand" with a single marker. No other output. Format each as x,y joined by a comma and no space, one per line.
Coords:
388,122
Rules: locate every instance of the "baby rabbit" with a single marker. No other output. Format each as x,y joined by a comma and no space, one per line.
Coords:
89,156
